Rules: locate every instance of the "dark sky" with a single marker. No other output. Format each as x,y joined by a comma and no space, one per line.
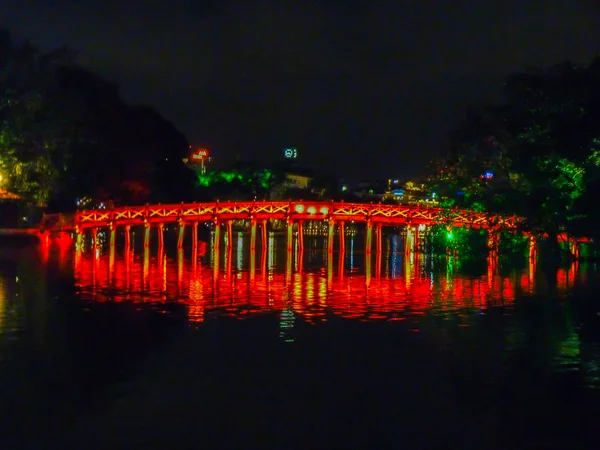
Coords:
367,88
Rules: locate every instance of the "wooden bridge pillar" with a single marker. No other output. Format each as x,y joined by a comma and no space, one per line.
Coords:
300,236
342,254
493,240
252,236
111,247
179,269
369,240
160,257
80,239
417,240
94,240
409,243
264,246
229,235
161,235
574,248
379,237
264,235
147,227
146,268
290,235
216,244
532,247
127,240
194,246
330,234
194,226
342,231
181,235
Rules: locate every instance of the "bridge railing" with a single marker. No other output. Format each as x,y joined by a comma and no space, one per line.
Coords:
311,210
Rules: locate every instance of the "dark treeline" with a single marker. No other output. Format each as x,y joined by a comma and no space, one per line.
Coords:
537,155
65,133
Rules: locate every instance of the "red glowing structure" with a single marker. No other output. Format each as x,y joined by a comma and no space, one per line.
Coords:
260,213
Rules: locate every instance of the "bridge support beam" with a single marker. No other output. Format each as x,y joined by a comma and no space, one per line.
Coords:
409,243
216,245
127,240
181,235
290,235
147,235
194,246
417,239
194,226
161,235
111,248
94,240
369,240
342,256
252,236
80,239
264,235
379,237
330,234
229,235
532,247
493,240
300,236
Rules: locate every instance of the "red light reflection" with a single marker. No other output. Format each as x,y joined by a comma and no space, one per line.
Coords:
309,293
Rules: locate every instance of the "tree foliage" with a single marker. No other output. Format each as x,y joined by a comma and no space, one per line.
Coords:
66,133
541,146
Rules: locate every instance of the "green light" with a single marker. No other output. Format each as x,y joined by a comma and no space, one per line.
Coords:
450,236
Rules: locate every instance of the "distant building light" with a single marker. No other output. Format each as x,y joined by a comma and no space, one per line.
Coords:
290,153
488,175
344,188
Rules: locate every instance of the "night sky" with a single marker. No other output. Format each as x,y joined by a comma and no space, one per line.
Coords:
366,88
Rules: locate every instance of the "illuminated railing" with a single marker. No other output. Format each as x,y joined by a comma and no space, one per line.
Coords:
291,211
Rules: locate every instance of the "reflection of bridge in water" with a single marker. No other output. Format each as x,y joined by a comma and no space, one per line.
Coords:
312,283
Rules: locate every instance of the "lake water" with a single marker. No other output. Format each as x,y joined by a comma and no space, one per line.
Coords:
406,351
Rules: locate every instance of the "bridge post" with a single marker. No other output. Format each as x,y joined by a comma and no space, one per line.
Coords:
417,237
161,235
194,226
330,234
94,240
574,247
342,231
216,244
111,247
409,242
290,235
147,226
252,236
369,240
127,240
80,238
300,235
181,234
493,240
229,235
264,244
379,239
532,247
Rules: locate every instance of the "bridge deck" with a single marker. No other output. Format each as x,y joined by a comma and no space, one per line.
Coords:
298,210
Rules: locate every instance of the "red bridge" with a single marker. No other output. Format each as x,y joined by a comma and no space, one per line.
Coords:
260,213
291,211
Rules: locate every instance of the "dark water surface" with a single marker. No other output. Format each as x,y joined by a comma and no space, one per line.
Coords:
265,353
